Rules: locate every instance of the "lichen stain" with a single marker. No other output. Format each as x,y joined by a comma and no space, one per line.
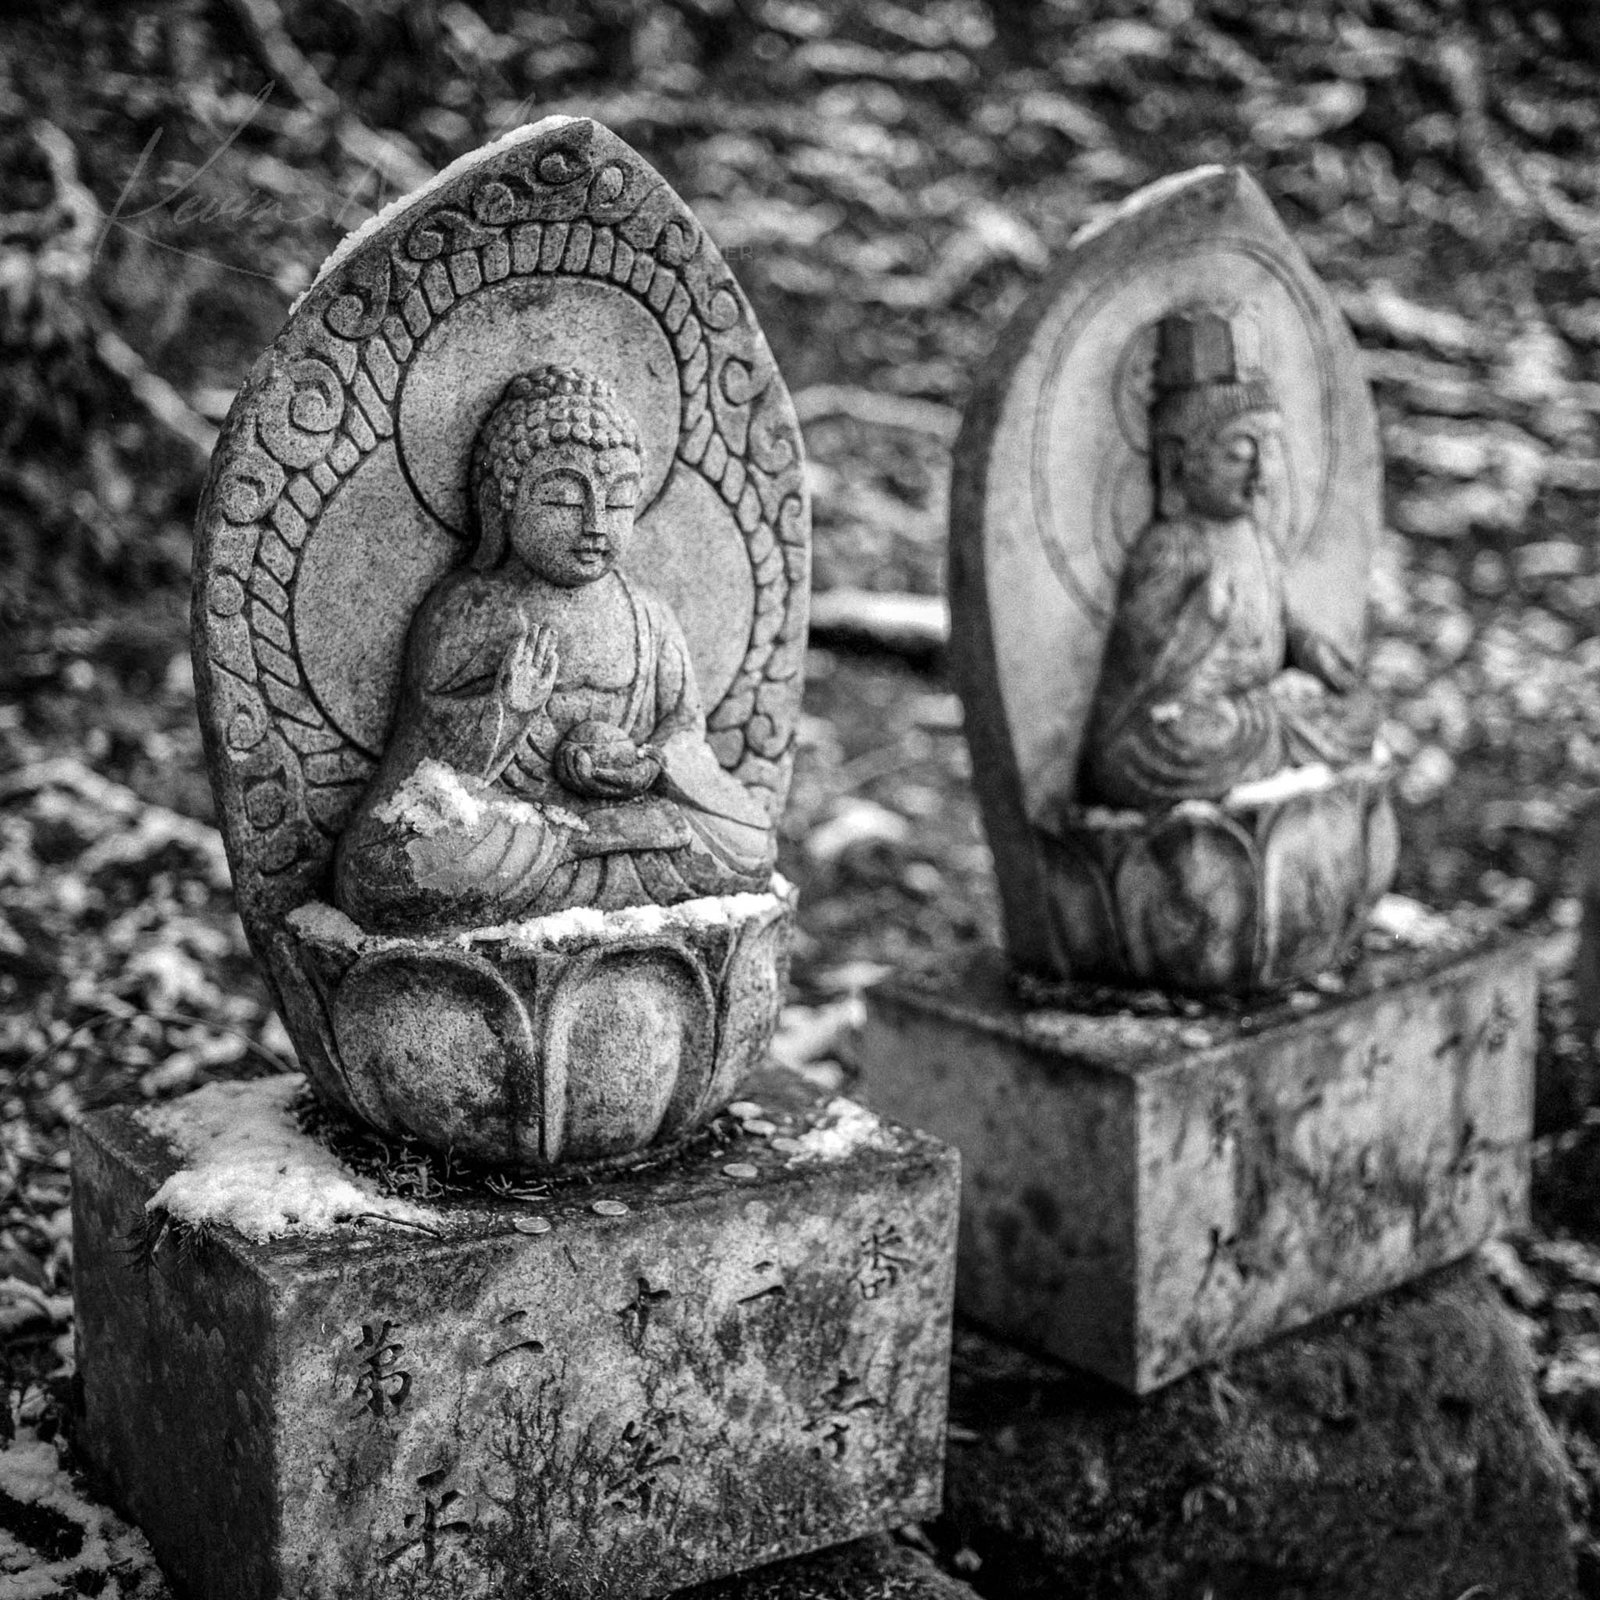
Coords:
1042,1207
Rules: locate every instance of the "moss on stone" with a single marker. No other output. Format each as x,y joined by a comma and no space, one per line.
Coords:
1397,1450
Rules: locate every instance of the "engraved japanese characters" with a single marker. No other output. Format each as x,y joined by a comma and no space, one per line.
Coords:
1163,513
499,621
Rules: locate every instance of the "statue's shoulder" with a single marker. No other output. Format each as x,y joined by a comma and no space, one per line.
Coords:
466,600
657,614
1171,550
466,615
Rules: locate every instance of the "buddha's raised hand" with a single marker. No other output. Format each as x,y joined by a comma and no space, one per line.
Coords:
528,673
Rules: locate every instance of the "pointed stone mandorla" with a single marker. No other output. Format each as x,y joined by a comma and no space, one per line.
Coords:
500,609
1165,501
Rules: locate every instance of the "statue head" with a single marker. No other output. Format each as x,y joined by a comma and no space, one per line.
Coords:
555,477
1214,417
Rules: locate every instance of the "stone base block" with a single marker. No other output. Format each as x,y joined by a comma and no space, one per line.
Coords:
1393,1452
628,1385
1142,1194
869,1569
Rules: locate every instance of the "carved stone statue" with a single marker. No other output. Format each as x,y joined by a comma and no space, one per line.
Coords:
1208,680
1163,511
549,749
501,585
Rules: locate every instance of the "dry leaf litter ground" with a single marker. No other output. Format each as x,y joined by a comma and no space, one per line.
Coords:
888,182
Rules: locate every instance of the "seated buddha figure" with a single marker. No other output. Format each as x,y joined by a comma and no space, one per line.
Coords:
548,749
1207,680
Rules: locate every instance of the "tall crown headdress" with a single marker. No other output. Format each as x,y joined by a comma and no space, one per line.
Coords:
1207,370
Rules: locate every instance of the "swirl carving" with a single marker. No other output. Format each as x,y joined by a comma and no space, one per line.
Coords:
249,483
607,186
243,716
301,405
721,310
561,166
677,244
496,204
774,446
360,310
445,231
738,381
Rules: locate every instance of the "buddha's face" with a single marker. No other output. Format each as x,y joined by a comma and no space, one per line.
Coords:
1224,470
573,520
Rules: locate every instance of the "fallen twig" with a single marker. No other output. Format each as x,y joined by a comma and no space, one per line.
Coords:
71,256
1462,71
1380,308
167,1019
912,625
284,61
74,199
877,410
153,392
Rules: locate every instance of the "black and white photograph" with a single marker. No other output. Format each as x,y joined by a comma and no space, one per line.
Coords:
800,800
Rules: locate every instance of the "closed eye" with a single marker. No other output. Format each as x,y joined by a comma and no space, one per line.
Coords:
624,492
559,489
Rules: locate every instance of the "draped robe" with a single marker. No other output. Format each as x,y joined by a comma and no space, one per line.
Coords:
1193,696
467,821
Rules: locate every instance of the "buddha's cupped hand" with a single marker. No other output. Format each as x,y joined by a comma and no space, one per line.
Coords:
601,761
1322,658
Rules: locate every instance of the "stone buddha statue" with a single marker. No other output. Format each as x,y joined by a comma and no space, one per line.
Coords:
548,750
1208,682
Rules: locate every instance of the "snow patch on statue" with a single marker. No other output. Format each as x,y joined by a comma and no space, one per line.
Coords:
248,1166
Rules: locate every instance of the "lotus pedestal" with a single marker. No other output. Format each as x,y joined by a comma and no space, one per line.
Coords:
581,1039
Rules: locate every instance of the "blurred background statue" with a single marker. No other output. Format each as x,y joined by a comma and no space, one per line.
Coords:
1208,680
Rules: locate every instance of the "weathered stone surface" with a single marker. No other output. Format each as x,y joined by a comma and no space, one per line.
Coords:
869,1569
1207,680
534,1053
515,497
548,749
736,1356
1165,493
1395,1451
1143,1194
1568,1081
1230,897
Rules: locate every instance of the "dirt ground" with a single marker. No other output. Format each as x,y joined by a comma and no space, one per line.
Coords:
887,182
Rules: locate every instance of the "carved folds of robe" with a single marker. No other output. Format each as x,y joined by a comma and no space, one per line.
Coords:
1193,696
499,838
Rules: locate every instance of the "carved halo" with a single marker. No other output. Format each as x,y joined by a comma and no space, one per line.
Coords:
1088,537
466,359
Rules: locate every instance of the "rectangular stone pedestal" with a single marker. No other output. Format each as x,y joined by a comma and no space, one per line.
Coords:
1143,1194
739,1355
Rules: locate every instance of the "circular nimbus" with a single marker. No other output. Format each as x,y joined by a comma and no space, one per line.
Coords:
464,362
1091,428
